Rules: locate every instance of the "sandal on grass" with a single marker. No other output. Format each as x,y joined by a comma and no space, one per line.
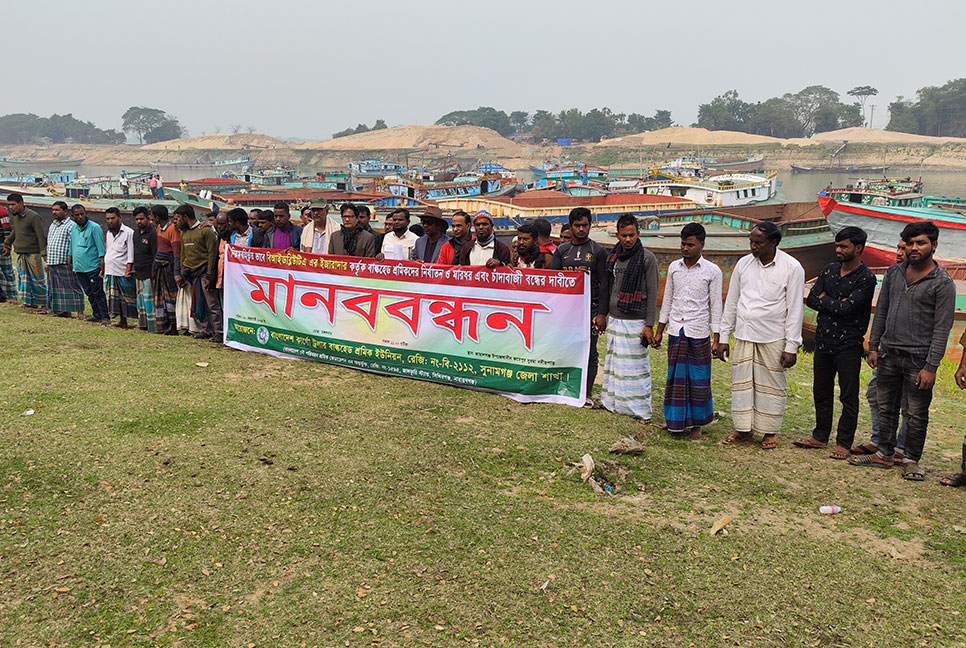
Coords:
912,472
839,452
769,442
870,461
809,442
864,449
954,481
738,437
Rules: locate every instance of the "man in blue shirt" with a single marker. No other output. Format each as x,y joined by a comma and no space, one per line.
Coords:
87,259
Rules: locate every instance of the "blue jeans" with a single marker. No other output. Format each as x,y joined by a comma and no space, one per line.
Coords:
897,382
871,395
93,286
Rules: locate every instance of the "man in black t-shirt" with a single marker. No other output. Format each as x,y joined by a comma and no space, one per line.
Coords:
582,254
145,248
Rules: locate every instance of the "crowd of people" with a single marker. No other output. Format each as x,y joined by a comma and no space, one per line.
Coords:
166,275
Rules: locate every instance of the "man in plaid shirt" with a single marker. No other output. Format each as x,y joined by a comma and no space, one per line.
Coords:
64,295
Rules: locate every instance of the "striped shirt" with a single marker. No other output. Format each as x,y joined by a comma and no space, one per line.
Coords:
58,241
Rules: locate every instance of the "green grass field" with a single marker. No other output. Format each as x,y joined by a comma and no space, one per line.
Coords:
256,501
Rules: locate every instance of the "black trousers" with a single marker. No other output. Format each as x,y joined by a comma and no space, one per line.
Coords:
845,364
593,359
897,378
93,286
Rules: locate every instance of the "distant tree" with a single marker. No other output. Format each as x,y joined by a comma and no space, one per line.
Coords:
140,120
544,125
24,128
662,119
379,125
250,129
862,93
814,107
235,129
169,129
775,118
484,116
519,119
939,111
725,112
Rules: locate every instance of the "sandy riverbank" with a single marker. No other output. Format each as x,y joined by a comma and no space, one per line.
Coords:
470,144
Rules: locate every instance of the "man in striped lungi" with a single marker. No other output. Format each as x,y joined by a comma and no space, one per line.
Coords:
64,294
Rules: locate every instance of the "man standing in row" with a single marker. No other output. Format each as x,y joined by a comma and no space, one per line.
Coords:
64,296
959,479
242,231
145,247
628,296
692,299
913,317
165,272
485,250
199,270
8,280
528,251
429,246
462,235
764,309
284,235
582,254
28,240
398,242
119,269
317,235
842,296
351,239
87,260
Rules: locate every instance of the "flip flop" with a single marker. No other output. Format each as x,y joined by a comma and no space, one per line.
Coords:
870,461
738,437
912,472
769,443
839,452
954,481
864,449
809,442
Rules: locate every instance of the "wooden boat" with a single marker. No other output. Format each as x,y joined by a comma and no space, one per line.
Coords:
805,235
510,212
40,164
470,184
866,169
884,224
748,164
884,192
726,190
953,351
38,178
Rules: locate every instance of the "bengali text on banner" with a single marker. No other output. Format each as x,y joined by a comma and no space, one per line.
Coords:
524,333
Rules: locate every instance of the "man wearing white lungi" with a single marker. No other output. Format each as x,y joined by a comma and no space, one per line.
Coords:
764,309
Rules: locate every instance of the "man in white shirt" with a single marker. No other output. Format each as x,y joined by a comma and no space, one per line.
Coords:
119,283
125,185
692,298
316,235
399,242
764,309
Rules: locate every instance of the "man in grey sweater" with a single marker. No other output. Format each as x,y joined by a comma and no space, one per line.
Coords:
913,318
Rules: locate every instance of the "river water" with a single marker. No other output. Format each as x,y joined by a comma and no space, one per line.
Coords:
794,187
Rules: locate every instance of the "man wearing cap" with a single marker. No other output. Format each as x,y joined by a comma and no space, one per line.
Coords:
430,244
398,242
316,237
485,250
352,239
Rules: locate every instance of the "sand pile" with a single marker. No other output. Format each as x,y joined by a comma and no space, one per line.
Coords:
412,137
693,136
218,141
858,134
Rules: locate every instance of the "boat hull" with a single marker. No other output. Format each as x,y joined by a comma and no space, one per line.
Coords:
840,169
883,226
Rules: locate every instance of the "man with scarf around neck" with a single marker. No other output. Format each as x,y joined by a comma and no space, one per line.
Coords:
629,295
352,239
485,249
432,242
199,272
462,235
529,254
581,254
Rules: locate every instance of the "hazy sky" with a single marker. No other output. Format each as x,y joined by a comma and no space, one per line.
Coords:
306,69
